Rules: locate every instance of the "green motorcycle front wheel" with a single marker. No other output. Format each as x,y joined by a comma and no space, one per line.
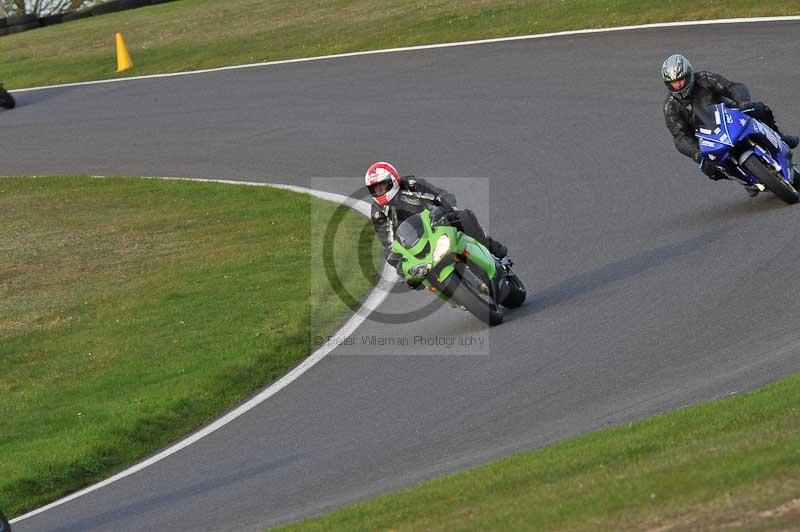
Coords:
474,293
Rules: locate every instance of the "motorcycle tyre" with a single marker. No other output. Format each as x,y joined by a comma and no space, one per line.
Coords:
4,525
467,296
776,185
516,296
6,100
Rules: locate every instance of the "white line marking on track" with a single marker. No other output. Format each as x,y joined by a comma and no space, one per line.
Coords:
787,18
374,299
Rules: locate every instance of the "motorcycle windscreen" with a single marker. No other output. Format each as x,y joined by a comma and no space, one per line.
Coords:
705,117
712,133
410,231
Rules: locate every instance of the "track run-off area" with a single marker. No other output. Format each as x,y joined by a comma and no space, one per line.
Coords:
650,287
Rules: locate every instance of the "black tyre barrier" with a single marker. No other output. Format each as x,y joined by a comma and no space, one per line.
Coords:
77,15
134,4
115,6
108,7
19,20
18,23
49,20
23,27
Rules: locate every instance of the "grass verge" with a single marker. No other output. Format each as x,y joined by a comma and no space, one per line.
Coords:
133,310
730,464
195,34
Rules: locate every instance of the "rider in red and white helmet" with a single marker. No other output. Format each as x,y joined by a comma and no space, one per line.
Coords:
397,197
383,182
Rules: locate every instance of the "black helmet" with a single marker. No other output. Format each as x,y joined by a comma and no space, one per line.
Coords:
677,68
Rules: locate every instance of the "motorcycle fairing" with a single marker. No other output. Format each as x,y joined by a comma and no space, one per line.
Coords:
732,127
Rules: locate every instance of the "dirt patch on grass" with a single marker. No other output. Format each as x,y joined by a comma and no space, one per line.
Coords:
751,508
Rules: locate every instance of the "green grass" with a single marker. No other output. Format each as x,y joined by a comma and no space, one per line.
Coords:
194,34
734,463
132,311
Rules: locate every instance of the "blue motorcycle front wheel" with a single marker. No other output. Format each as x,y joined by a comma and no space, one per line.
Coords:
771,180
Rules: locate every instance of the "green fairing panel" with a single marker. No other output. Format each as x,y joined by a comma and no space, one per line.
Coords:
480,255
446,272
459,242
409,255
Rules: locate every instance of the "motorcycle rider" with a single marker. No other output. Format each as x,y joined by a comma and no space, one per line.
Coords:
690,91
396,197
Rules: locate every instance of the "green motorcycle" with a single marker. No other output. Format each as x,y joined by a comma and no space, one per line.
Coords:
456,267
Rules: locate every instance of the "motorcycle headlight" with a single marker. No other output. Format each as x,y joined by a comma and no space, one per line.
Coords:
420,270
441,249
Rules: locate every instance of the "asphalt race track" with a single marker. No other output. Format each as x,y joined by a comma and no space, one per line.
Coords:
650,287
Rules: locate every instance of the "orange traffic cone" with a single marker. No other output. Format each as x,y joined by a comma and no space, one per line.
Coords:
123,57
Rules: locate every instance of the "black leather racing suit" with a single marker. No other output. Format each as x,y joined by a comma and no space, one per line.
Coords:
709,88
416,195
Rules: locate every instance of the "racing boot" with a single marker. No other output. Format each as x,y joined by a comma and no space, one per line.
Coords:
753,190
790,140
496,248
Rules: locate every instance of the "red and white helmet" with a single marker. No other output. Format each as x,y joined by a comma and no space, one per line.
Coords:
383,182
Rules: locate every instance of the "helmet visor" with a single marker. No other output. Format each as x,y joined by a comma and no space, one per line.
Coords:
380,188
678,84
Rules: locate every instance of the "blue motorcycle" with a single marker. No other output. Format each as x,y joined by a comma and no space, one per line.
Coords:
747,150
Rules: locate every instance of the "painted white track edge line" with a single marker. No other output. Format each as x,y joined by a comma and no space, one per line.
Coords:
375,298
786,18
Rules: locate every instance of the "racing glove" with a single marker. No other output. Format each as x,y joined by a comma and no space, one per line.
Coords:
415,285
440,216
711,170
394,259
446,200
757,108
